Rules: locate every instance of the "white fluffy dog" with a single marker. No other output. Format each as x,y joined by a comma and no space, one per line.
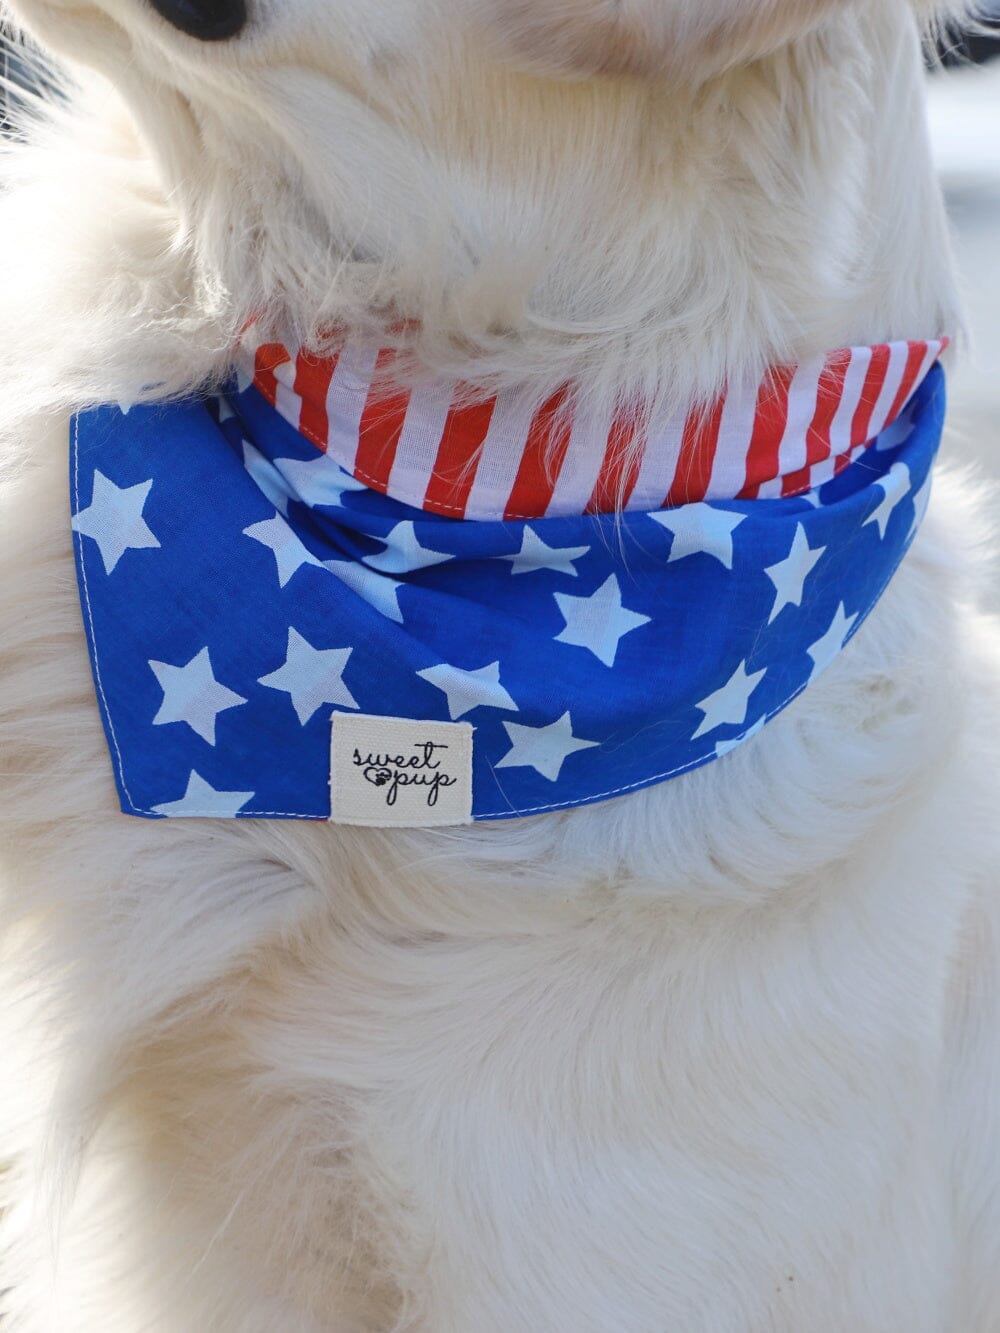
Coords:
720,1055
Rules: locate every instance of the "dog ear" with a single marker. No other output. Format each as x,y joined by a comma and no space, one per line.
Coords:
647,37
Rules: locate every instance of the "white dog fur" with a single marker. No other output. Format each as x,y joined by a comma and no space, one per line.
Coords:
721,1056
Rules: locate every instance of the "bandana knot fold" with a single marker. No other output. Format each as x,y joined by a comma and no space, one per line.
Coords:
296,550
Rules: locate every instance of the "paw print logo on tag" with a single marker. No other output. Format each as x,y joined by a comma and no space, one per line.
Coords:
396,772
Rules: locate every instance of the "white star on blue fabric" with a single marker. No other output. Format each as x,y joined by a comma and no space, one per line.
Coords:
700,529
320,481
729,705
265,474
466,690
921,500
311,677
536,554
378,590
598,622
726,747
896,484
826,648
545,749
191,694
114,519
202,799
289,553
403,553
790,574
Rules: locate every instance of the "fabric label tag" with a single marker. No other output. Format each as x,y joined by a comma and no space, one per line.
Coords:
389,772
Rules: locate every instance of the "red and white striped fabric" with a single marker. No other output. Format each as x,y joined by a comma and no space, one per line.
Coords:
792,432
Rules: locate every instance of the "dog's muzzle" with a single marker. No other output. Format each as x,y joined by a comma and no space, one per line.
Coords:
207,20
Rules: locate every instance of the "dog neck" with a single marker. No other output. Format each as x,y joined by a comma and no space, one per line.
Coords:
539,232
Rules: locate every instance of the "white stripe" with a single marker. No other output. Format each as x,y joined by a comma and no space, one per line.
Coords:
506,441
824,471
803,395
419,441
930,356
659,462
792,451
934,350
588,443
286,400
898,353
346,398
729,468
843,419
503,449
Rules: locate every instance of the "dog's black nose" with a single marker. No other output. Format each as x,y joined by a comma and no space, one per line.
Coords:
208,20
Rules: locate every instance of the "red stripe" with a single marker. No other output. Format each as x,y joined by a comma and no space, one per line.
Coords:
818,441
454,472
619,470
769,425
794,483
312,383
914,360
268,358
698,447
844,460
542,460
380,428
874,380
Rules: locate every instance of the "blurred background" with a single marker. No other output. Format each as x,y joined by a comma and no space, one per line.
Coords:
964,100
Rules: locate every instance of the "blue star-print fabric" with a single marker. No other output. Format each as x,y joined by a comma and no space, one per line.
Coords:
238,588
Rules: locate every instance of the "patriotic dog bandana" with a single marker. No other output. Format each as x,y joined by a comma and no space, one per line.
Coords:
303,600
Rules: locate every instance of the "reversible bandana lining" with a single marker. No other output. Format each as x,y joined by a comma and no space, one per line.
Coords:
241,589
429,448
